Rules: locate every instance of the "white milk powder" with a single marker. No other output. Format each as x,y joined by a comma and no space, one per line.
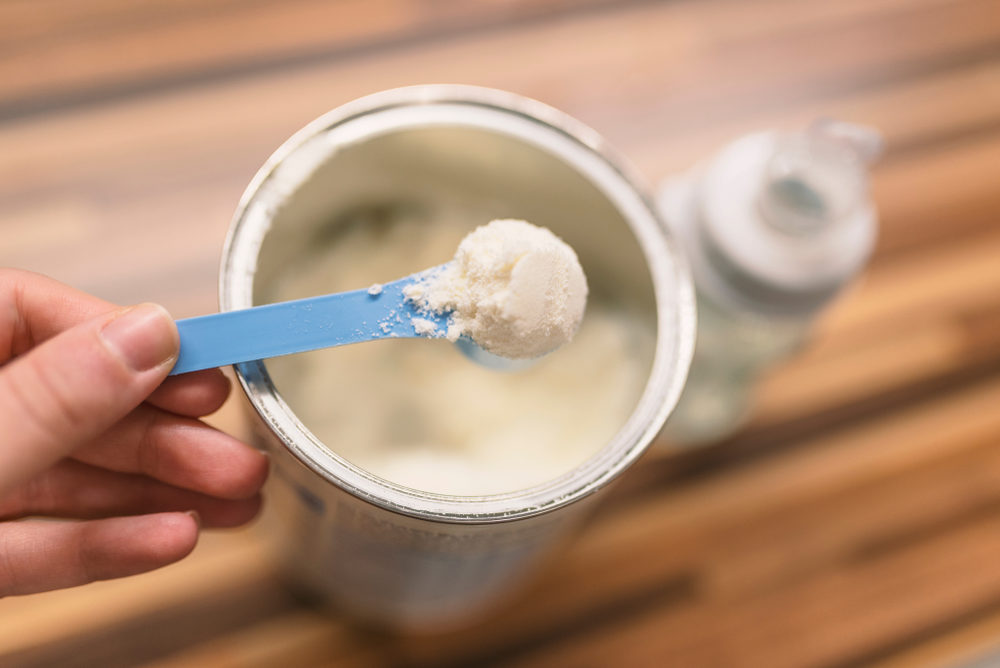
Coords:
516,289
419,413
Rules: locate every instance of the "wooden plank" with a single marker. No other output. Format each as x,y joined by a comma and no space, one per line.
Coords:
907,323
161,630
971,643
222,561
28,20
119,44
912,112
673,35
295,639
926,286
828,620
708,82
955,185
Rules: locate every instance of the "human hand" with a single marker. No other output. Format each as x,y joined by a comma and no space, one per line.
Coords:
91,430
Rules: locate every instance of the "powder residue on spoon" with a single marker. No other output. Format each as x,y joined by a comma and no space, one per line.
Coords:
514,288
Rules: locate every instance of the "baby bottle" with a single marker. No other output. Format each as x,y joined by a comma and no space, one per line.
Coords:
773,226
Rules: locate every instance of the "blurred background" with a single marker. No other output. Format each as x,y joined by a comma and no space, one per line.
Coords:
854,521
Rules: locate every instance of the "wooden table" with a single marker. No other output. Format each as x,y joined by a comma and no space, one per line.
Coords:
856,521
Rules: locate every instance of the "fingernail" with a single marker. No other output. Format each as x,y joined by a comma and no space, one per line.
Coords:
195,516
144,336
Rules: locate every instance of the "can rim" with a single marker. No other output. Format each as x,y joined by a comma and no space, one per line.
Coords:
675,314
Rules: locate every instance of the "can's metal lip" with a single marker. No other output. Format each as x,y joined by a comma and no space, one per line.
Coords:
586,151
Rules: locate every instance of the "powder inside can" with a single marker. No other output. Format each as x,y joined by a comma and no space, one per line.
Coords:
420,413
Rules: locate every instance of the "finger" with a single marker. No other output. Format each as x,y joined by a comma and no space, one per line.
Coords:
42,555
193,394
77,384
34,308
179,451
79,491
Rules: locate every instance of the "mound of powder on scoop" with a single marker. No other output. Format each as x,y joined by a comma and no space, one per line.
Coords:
515,289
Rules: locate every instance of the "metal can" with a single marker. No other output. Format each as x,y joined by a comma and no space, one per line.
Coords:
395,555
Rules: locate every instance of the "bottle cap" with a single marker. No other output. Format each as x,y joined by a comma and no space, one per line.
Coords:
786,218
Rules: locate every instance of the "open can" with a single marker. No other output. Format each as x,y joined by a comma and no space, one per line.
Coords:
381,551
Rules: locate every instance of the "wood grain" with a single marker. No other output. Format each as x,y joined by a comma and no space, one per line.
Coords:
854,521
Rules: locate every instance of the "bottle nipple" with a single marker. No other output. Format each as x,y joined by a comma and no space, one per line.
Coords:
817,177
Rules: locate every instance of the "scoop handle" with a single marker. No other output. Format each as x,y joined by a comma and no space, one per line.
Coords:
296,326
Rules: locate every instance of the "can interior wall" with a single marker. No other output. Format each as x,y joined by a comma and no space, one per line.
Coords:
403,556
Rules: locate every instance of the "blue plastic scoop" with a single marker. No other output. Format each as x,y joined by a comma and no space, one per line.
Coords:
284,328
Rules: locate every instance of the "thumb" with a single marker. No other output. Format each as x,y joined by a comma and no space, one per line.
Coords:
77,384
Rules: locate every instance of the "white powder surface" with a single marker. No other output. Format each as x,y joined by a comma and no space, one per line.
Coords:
423,326
420,413
514,288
